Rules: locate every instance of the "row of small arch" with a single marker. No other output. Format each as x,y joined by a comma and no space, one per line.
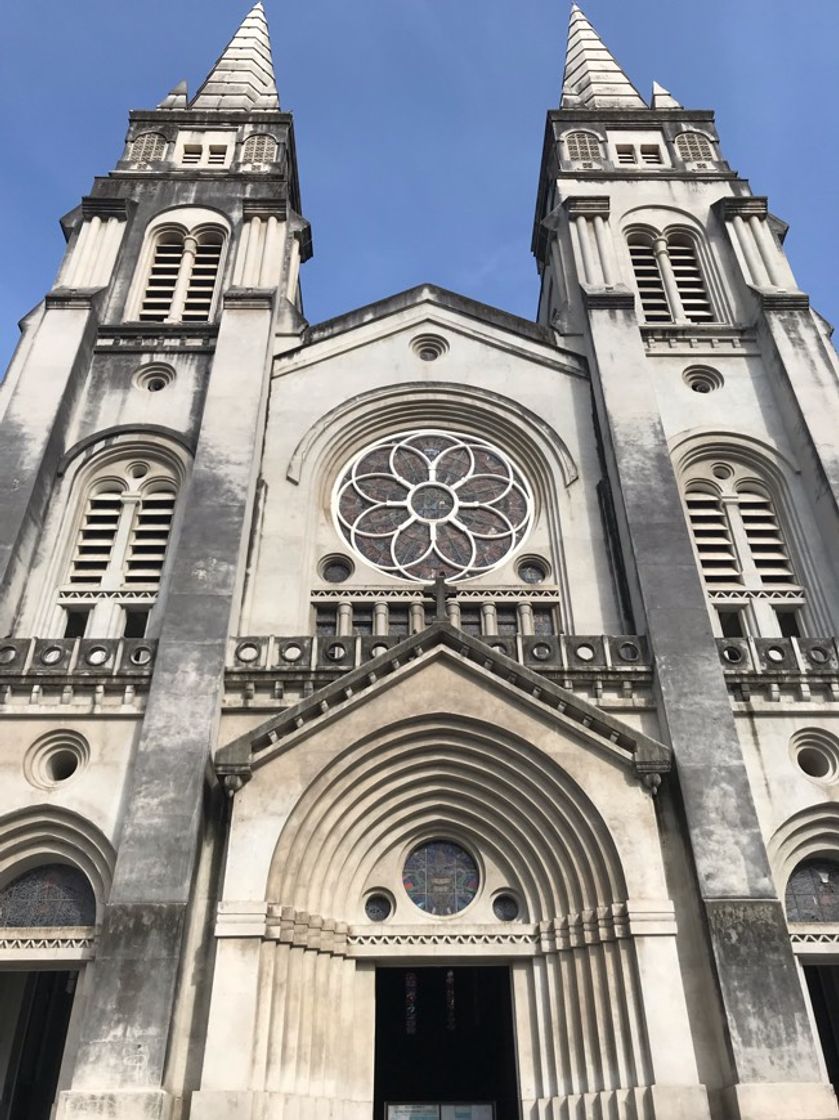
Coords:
691,146
258,148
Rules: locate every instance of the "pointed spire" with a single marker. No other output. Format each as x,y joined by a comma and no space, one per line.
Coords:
175,98
243,78
663,99
593,80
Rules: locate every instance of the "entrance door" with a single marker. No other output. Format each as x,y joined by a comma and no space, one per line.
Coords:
823,985
445,1036
34,1015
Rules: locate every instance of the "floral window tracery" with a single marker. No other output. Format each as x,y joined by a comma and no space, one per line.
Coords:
51,895
431,502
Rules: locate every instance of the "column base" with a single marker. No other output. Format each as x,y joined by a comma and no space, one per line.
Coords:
649,1102
807,1100
243,1104
133,1104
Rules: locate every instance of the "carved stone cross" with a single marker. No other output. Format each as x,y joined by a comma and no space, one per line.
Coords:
440,592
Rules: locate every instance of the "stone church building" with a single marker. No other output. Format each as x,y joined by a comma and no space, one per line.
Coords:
426,714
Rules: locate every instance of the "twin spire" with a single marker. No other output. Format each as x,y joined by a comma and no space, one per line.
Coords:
594,80
242,79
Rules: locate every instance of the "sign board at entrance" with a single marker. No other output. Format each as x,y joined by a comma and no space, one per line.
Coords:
484,1110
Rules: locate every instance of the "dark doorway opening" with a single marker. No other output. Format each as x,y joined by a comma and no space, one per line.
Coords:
445,1036
823,984
34,1015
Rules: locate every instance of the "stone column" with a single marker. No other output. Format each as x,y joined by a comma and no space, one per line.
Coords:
772,1049
125,1031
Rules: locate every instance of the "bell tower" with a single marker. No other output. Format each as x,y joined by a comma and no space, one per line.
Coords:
663,268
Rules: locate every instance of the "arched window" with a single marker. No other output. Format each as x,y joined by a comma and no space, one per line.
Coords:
148,146
690,284
648,278
742,552
259,148
812,893
582,146
121,535
694,147
52,895
182,277
669,278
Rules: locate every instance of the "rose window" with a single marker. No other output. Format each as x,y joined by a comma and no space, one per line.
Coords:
429,503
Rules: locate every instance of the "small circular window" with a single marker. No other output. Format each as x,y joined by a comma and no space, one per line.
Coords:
440,877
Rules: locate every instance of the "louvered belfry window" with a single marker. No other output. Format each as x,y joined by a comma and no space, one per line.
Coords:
712,537
648,278
738,537
148,146
681,294
583,146
694,147
262,148
182,279
689,280
124,529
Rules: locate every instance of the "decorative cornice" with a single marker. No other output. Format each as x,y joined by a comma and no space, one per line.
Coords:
586,206
265,208
95,207
751,206
70,299
615,299
248,299
783,301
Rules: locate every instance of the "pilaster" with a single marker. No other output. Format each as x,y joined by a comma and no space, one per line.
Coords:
125,1032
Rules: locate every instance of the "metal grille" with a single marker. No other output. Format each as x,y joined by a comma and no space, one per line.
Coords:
648,279
95,541
765,539
694,146
148,146
263,149
160,288
582,146
54,895
202,281
712,536
149,537
689,280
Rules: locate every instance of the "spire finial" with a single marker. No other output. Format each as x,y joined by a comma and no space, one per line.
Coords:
662,98
592,79
243,78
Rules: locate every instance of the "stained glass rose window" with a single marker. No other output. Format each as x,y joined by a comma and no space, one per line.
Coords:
428,503
440,877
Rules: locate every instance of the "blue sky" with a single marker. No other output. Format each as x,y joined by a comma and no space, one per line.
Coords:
419,124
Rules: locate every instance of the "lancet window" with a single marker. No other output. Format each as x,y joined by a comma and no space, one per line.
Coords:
669,277
182,277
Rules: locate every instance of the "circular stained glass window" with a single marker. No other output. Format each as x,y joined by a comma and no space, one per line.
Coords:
440,877
429,503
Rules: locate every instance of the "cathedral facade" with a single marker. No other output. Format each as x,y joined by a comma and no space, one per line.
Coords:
426,714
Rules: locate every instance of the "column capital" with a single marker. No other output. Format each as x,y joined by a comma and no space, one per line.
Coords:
751,207
618,299
104,208
587,206
784,301
265,208
249,299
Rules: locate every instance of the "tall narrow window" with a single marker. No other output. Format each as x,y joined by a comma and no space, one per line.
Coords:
260,148
163,277
648,278
712,537
694,147
583,146
121,539
688,275
763,534
202,280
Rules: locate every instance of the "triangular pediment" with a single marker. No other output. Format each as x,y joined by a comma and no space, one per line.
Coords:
474,665
428,307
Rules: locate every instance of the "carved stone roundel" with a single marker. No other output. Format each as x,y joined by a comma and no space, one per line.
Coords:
430,502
